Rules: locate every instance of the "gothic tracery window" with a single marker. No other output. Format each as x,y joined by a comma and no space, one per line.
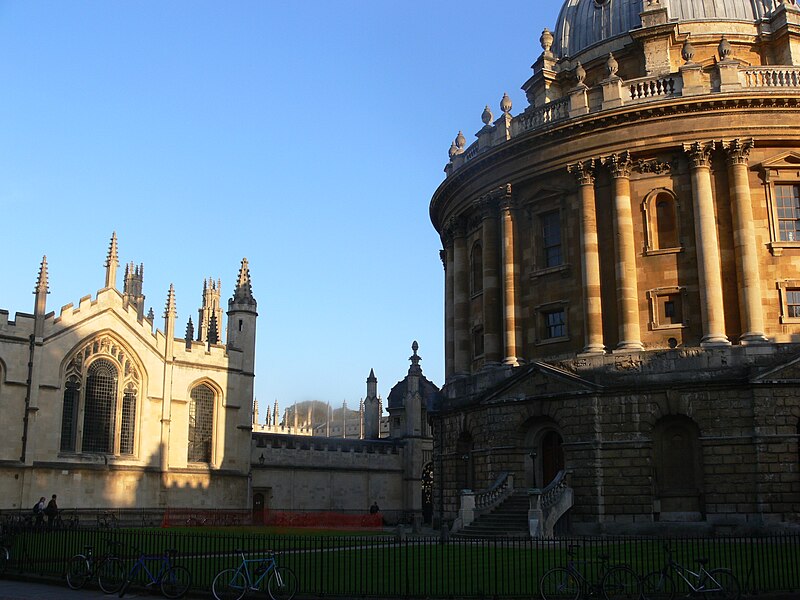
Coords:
201,423
100,399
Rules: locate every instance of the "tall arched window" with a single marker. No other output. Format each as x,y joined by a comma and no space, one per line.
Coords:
201,423
663,226
476,263
100,400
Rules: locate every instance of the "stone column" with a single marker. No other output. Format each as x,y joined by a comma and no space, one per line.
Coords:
449,325
625,254
712,309
590,265
744,242
461,334
492,324
510,310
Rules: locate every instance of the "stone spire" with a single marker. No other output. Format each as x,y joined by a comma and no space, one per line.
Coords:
211,308
275,413
255,411
112,262
189,333
40,302
169,308
213,331
170,314
132,290
243,293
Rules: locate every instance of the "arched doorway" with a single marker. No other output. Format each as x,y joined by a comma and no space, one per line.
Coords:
544,454
677,466
427,493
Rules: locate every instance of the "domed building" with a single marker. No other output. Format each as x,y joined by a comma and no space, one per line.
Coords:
622,277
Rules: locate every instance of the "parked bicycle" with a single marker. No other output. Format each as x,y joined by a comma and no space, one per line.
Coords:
617,582
5,556
173,580
107,569
255,575
718,583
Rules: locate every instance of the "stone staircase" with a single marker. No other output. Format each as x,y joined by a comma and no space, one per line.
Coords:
508,519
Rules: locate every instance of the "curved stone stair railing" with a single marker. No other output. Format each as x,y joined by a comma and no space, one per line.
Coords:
547,506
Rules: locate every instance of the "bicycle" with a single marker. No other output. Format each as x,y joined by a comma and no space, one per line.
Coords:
232,584
719,583
174,581
618,582
5,557
108,569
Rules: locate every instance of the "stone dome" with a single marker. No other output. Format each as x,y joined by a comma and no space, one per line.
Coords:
583,23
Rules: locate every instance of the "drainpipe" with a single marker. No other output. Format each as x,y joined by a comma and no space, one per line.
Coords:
28,383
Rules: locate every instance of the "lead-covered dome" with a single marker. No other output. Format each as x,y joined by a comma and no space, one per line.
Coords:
583,23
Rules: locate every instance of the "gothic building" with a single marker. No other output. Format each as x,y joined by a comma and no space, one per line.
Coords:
622,274
108,412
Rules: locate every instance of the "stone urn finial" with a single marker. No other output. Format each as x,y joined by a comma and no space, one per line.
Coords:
687,52
612,66
486,115
546,40
724,49
460,140
580,73
453,150
505,104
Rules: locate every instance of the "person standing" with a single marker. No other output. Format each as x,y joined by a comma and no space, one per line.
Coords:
51,511
38,513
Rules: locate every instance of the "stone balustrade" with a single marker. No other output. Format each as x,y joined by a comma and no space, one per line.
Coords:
534,118
770,77
645,89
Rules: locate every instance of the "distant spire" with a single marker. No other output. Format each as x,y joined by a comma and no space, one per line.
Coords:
255,411
42,279
243,293
372,376
112,262
275,413
169,310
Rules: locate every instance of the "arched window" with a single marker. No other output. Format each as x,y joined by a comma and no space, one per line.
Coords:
201,423
663,226
476,263
100,398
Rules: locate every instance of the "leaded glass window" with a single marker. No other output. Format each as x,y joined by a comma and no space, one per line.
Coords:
555,325
127,427
69,414
201,423
100,410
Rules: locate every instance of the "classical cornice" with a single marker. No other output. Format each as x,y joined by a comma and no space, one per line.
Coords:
620,117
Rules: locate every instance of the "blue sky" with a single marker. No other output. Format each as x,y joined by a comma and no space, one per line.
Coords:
308,136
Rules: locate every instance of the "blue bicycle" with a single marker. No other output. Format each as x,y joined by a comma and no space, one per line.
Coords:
258,575
174,581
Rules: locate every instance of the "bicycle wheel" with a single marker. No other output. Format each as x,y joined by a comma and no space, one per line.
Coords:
559,584
111,575
728,582
621,583
658,586
230,584
176,582
78,572
5,558
282,584
125,585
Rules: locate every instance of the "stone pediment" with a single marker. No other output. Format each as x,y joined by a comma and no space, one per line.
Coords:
787,372
539,379
784,160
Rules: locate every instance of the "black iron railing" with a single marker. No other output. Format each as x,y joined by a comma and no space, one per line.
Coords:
391,566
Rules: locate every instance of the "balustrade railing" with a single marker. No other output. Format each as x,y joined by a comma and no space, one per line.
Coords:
551,112
645,89
770,77
501,489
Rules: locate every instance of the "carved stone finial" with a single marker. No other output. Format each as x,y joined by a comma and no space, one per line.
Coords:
169,309
505,104
546,40
724,49
453,150
580,73
461,141
687,52
243,292
612,66
486,115
42,279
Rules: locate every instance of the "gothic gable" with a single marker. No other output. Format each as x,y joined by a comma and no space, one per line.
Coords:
539,380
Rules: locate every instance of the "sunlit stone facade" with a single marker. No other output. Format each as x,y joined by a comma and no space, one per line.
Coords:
622,271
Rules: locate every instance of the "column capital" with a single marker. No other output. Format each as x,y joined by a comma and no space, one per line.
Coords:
737,151
619,164
699,153
454,228
584,171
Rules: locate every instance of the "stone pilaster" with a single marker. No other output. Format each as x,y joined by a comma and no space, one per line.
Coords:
510,308
449,300
590,267
712,309
492,323
461,333
744,241
630,338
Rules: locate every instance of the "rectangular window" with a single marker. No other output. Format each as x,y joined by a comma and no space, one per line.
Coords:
555,325
670,310
793,304
551,239
787,203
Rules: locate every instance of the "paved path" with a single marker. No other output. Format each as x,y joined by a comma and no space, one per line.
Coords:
26,590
